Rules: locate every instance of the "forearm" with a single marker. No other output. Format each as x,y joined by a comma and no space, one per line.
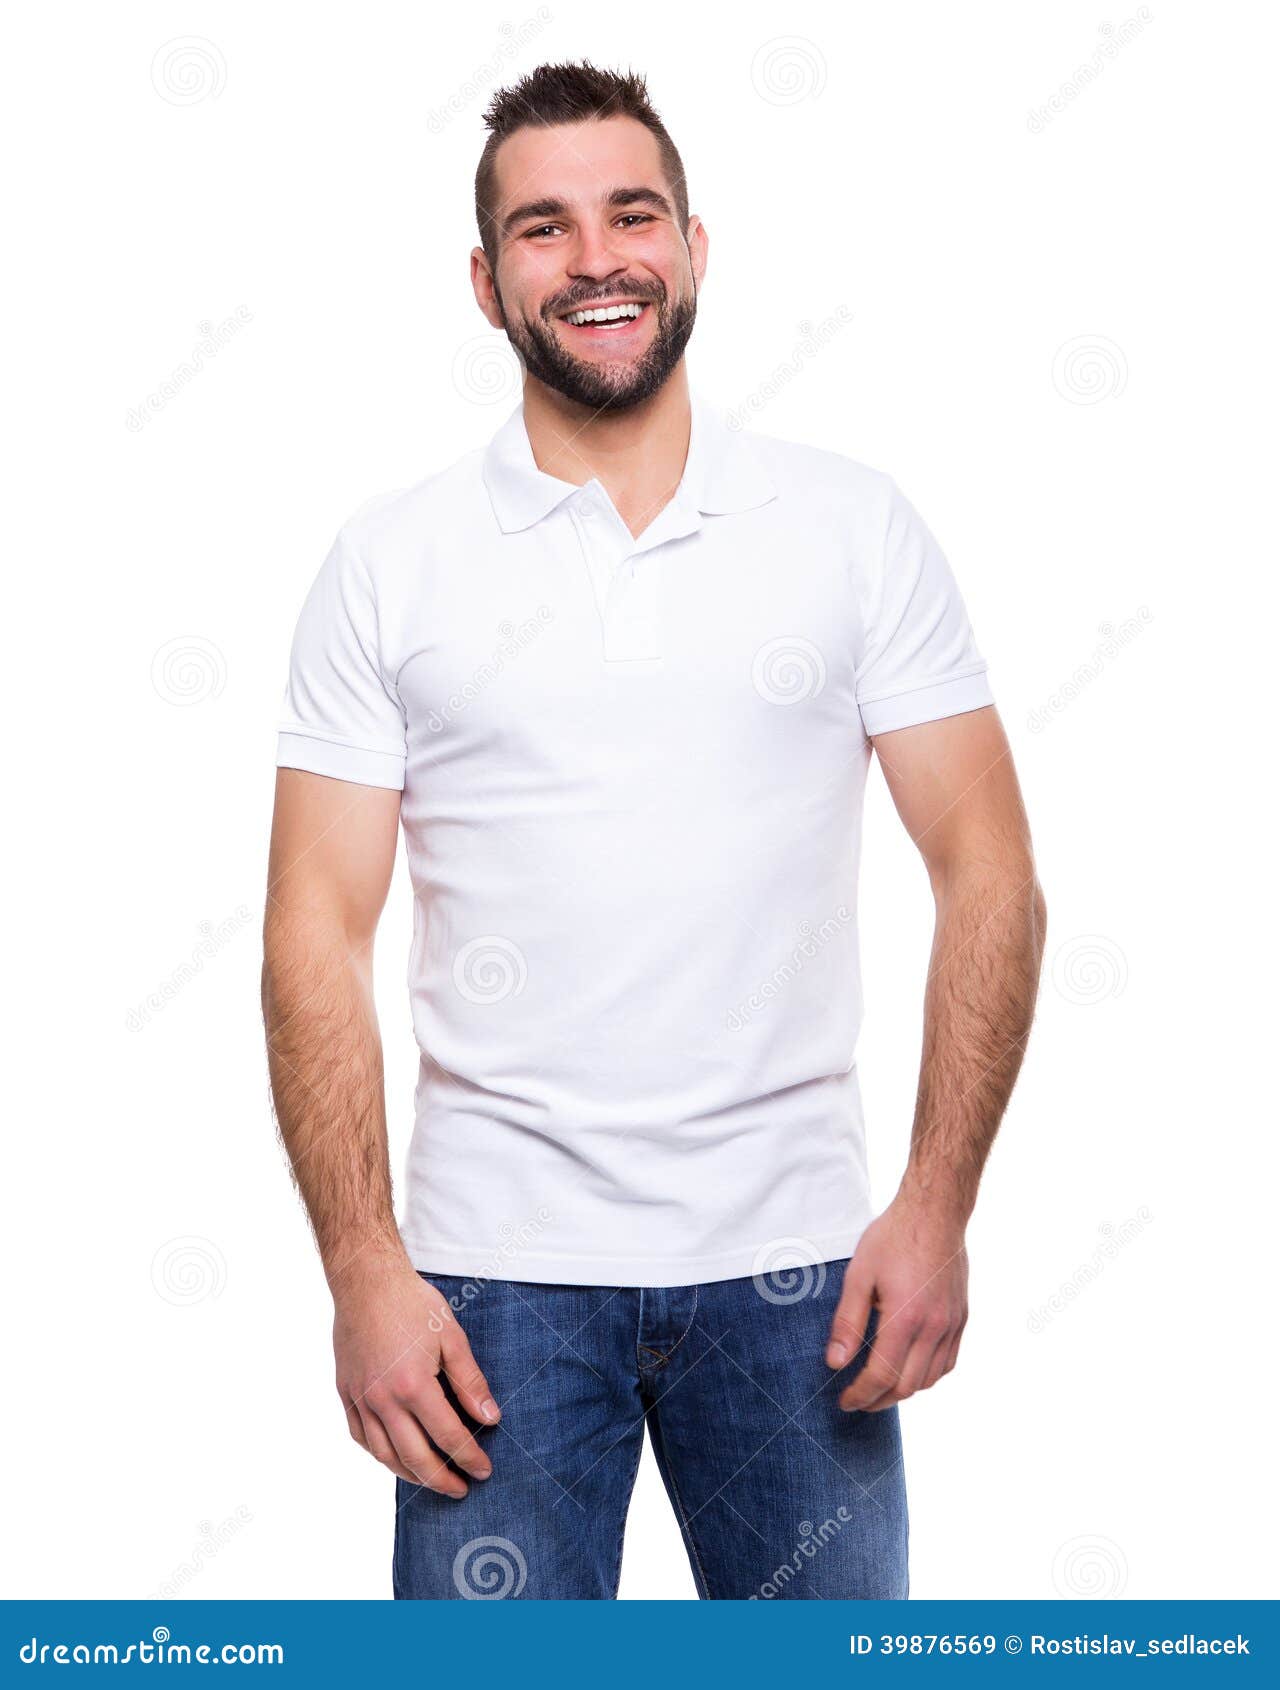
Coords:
325,1059
984,972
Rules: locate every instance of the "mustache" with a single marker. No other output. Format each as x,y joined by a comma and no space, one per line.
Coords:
583,301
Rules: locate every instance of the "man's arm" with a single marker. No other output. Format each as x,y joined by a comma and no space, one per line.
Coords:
954,786
332,850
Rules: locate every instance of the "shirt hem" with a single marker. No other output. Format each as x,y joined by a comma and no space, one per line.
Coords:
650,1272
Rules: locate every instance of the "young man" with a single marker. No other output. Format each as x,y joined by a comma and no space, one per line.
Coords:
619,675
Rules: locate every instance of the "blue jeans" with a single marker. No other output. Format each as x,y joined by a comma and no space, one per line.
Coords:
778,1492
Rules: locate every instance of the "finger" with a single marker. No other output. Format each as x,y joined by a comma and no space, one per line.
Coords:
355,1425
889,1351
469,1384
938,1361
911,1376
953,1352
382,1449
449,1434
427,1464
849,1323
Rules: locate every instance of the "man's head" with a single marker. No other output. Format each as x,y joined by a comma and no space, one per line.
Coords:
582,204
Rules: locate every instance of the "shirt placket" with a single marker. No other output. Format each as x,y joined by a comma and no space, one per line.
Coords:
626,573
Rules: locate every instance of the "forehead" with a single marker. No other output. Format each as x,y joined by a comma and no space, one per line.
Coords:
577,162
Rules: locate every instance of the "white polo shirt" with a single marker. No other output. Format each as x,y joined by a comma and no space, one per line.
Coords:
633,775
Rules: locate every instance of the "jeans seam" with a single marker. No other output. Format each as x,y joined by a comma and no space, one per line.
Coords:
682,1513
626,1508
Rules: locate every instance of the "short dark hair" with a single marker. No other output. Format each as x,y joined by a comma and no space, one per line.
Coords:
568,93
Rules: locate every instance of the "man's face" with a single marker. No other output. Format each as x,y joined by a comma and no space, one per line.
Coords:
586,219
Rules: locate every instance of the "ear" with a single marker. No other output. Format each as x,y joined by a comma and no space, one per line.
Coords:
482,284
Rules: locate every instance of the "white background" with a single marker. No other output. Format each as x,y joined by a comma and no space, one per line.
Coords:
1061,340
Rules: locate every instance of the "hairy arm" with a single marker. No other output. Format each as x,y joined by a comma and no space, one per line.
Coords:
332,851
956,791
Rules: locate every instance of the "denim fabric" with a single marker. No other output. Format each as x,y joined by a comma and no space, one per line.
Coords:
779,1493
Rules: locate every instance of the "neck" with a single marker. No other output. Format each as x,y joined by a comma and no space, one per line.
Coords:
638,455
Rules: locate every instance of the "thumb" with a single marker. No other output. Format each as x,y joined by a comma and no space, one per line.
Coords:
849,1323
469,1384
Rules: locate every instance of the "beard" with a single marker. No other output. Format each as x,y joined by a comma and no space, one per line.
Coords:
605,386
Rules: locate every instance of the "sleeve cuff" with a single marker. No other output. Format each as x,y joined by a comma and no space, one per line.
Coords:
340,762
928,703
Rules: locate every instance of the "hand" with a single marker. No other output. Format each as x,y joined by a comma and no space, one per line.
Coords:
911,1264
393,1335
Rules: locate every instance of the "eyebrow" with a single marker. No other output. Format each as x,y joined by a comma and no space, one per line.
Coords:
551,210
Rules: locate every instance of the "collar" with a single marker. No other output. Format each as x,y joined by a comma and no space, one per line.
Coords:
724,471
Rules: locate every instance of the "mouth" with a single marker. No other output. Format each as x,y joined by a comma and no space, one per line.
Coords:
620,320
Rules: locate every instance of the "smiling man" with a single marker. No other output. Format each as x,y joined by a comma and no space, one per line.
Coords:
619,676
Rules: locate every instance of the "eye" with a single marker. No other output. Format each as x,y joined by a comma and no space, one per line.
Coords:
532,234
636,217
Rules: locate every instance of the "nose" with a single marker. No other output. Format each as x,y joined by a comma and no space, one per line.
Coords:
594,257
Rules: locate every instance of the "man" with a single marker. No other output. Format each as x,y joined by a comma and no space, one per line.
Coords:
619,676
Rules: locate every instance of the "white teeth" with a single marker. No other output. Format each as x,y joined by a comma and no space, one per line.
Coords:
604,314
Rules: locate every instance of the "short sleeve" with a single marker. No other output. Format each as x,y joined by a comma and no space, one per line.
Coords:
920,661
342,716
